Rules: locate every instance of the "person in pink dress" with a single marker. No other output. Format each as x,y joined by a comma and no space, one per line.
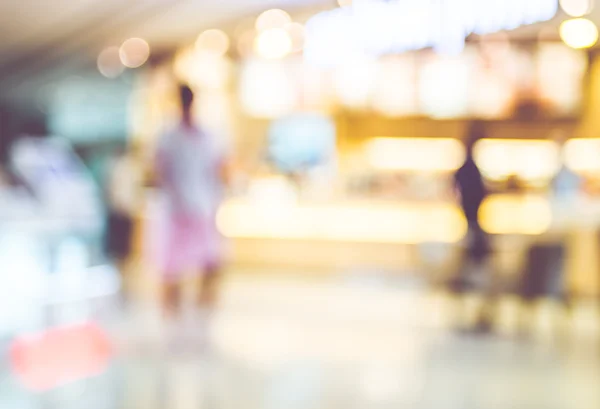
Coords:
190,171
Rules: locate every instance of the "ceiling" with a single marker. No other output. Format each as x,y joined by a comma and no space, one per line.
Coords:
44,41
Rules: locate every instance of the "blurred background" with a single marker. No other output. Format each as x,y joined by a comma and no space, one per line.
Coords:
348,280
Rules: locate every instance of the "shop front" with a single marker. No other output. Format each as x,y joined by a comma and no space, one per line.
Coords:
350,164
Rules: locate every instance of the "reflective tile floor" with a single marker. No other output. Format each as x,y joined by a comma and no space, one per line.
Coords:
289,341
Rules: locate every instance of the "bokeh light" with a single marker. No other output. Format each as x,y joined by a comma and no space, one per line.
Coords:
560,70
271,19
345,3
210,72
205,70
443,85
513,214
213,41
266,90
134,52
395,92
380,28
415,154
579,33
581,155
183,64
499,159
273,44
577,8
353,82
385,223
109,62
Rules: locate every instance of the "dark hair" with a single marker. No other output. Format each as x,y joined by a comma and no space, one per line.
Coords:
186,96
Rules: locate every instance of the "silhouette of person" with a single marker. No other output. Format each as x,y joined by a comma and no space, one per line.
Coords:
472,192
190,170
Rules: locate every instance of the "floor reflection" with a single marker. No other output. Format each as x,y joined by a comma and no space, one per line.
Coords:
279,341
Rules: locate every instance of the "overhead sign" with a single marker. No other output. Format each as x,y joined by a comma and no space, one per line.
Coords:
379,27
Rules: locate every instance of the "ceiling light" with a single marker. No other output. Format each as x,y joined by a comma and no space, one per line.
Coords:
577,8
579,33
273,44
214,41
274,18
134,52
109,62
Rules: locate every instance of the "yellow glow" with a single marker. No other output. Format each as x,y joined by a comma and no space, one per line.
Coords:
211,72
394,92
512,214
443,87
109,62
560,74
353,82
579,33
577,8
134,52
583,155
183,63
415,154
271,19
527,159
213,41
348,222
345,3
266,90
273,44
203,69
494,89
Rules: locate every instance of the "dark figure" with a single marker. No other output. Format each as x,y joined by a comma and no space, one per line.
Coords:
124,183
472,192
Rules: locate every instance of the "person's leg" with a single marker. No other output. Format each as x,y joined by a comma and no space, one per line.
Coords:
123,265
211,263
209,281
171,298
482,276
175,261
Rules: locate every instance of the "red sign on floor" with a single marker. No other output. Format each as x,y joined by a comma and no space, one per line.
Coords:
59,356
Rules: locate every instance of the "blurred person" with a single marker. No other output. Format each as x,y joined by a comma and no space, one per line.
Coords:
124,199
471,192
544,272
190,169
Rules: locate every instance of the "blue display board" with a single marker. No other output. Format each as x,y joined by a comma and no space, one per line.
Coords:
301,141
90,108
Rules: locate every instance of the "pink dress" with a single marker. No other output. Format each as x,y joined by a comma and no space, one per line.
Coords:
188,164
